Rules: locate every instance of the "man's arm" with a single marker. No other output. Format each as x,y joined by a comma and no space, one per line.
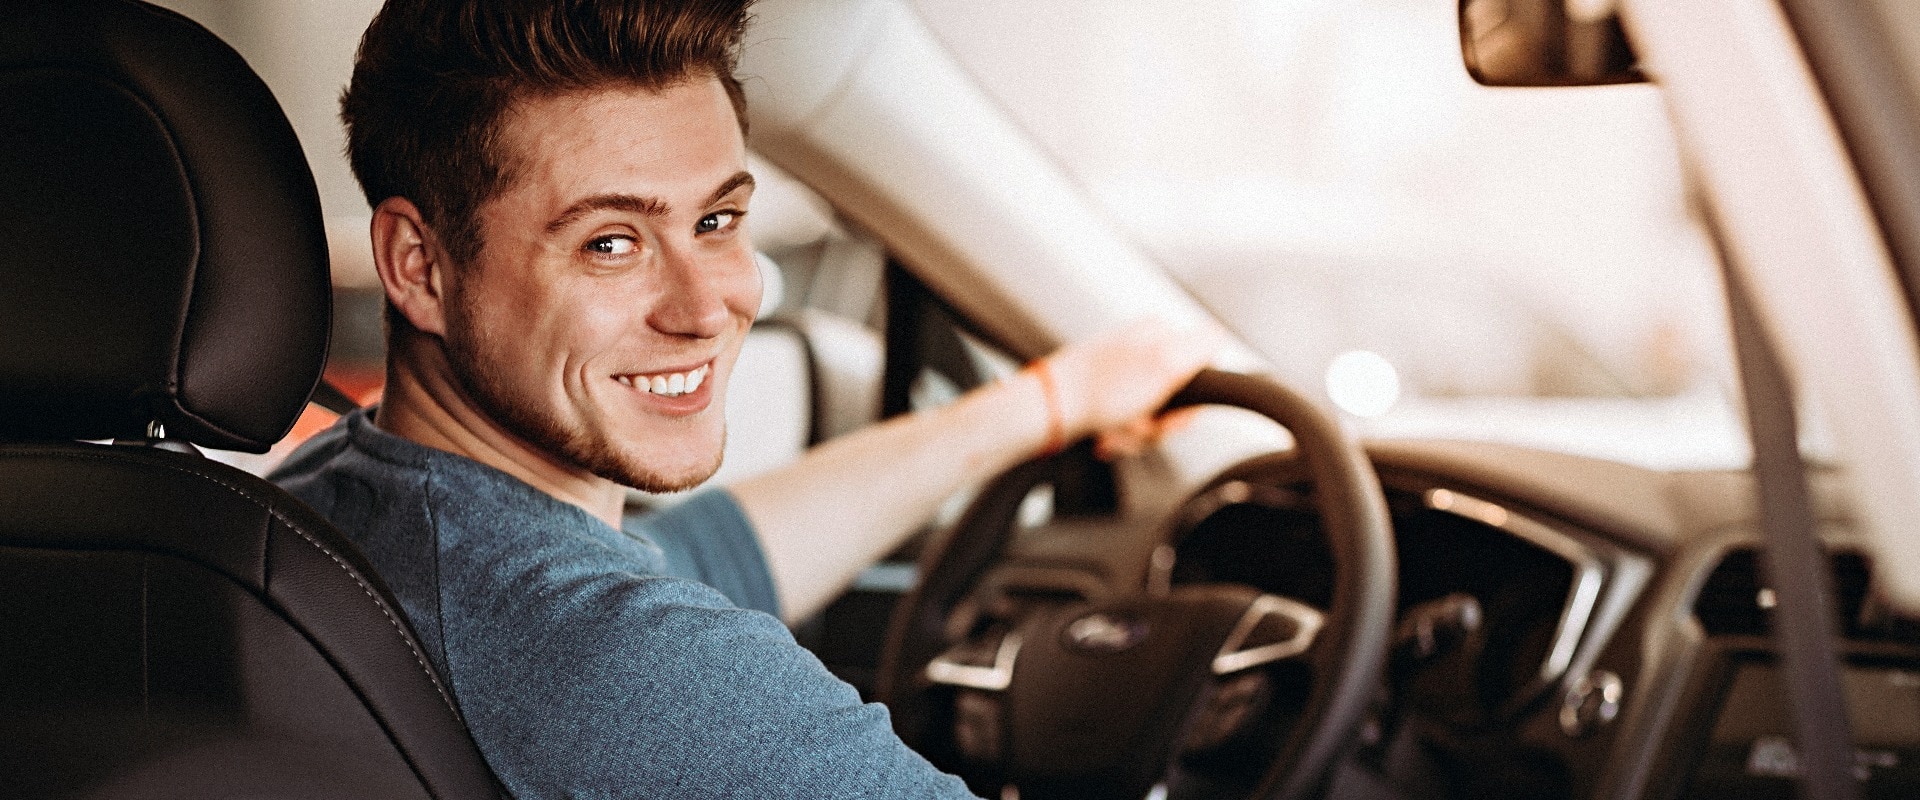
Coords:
826,517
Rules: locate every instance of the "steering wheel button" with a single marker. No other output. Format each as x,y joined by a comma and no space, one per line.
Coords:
1591,703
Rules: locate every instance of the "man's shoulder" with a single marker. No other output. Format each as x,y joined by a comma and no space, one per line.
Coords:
354,471
308,472
351,444
577,591
658,685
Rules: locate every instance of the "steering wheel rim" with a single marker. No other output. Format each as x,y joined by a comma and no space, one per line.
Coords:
1351,650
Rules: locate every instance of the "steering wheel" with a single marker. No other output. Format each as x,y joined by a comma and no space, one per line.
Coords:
1109,697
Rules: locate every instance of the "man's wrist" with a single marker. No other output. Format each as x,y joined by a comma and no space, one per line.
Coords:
1056,439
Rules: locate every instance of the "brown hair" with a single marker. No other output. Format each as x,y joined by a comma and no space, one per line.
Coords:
433,79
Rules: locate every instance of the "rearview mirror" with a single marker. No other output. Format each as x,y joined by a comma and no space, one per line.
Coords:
1545,43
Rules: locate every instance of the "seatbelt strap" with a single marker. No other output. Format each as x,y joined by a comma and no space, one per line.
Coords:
1793,562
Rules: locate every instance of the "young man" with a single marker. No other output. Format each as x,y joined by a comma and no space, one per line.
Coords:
560,195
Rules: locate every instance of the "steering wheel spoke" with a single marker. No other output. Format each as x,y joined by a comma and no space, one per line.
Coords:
1274,628
976,664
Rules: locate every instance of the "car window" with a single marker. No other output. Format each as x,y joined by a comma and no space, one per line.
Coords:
1518,264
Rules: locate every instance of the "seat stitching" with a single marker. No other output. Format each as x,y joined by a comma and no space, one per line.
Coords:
146,681
418,659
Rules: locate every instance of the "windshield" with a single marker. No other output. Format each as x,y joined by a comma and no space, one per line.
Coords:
1437,257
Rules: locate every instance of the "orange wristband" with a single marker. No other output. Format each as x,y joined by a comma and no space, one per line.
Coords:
1056,425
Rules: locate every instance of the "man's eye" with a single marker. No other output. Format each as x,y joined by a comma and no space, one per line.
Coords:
612,246
717,220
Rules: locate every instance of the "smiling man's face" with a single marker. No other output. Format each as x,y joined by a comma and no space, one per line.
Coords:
615,282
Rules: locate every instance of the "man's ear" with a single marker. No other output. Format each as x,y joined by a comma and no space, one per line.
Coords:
412,266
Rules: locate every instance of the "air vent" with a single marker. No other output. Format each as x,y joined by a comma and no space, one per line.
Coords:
1734,601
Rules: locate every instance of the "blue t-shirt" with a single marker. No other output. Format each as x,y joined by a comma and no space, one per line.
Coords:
592,662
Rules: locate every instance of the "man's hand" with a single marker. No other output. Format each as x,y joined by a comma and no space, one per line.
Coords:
1111,385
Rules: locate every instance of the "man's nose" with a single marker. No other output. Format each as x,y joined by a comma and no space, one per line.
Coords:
696,295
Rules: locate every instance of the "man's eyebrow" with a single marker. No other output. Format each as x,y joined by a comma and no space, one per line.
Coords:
727,187
637,204
644,206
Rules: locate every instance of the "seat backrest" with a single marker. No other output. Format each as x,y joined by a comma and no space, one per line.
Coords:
171,626
769,403
803,377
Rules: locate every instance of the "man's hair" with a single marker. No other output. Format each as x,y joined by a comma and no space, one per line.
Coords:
434,78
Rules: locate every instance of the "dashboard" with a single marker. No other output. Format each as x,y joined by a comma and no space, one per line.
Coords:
1494,605
1566,627
1500,590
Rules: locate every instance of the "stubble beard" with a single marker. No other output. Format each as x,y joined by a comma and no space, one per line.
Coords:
538,426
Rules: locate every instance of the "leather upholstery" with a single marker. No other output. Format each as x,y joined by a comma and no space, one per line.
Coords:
174,627
164,257
171,626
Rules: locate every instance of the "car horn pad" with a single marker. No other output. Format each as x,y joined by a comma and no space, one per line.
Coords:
1094,699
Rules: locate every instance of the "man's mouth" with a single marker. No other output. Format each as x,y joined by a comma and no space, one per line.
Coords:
669,384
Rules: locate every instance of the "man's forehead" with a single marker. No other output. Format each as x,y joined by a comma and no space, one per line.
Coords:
674,142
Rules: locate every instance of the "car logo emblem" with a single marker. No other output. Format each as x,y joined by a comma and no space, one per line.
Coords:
1102,632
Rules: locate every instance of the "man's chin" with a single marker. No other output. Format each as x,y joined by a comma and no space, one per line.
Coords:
656,483
648,475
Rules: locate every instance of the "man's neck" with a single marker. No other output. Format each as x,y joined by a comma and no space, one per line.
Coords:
423,403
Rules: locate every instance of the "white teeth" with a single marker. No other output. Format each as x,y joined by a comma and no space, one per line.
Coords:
673,385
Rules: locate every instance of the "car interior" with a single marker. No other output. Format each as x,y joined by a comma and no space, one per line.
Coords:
1262,605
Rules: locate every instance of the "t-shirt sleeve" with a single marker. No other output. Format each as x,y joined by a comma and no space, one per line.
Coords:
709,539
624,686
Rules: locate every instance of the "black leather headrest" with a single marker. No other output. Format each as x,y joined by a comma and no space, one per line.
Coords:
162,254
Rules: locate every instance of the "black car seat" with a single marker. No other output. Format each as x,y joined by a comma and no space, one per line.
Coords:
170,626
